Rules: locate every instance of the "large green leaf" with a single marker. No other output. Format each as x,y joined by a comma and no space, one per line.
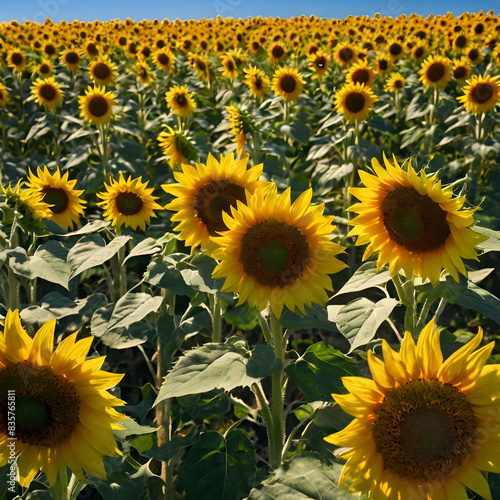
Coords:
359,320
492,244
215,366
366,276
48,263
318,372
303,477
218,468
150,246
92,251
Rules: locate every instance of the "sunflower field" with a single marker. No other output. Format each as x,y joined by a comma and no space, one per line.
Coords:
250,259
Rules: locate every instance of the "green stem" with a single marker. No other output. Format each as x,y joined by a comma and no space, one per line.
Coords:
265,329
423,315
356,130
479,127
439,310
13,290
75,487
264,405
215,309
60,489
103,132
276,437
407,298
256,147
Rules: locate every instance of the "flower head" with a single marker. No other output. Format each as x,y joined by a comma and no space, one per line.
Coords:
47,93
288,83
354,101
96,105
481,94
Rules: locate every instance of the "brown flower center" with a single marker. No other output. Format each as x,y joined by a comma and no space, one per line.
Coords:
277,51
98,106
425,429
274,253
461,41
481,93
460,72
101,70
44,69
129,203
47,405
346,54
57,197
473,54
17,59
414,221
360,76
72,58
163,59
181,100
49,49
395,49
383,64
215,198
48,92
435,72
355,102
288,84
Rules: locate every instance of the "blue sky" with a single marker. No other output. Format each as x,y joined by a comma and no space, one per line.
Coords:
103,10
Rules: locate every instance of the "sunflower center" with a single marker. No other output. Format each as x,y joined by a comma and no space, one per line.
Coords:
129,203
101,70
17,59
398,84
288,84
473,54
355,102
49,49
258,83
277,51
98,106
460,72
320,62
57,197
419,52
382,64
361,76
482,93
181,100
44,69
215,198
230,66
425,429
72,58
274,253
414,221
346,54
163,59
48,92
435,72
461,41
395,49
47,405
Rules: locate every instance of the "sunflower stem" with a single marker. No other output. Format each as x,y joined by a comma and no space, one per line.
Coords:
479,127
356,132
264,406
104,150
265,329
215,310
75,487
407,299
59,490
439,310
277,431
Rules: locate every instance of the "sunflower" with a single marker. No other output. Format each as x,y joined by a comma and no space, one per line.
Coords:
45,68
474,55
277,253
412,222
4,95
257,81
128,202
91,49
319,62
102,71
240,125
205,192
360,73
72,58
396,49
26,201
277,52
423,428
176,146
345,54
435,71
229,68
58,192
480,94
461,69
355,101
180,100
383,64
16,60
164,59
395,83
47,93
144,73
96,105
49,49
288,83
64,413
201,66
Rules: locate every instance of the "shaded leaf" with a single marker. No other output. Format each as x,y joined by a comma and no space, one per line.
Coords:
366,276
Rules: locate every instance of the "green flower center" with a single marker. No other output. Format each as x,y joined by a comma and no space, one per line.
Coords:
414,221
355,102
215,198
57,198
47,405
435,72
425,429
274,253
288,84
481,93
129,203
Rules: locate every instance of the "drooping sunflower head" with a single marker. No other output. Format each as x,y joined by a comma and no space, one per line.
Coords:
229,67
72,59
164,59
47,92
257,81
435,71
423,427
177,147
355,101
128,202
26,202
102,71
395,83
276,253
64,412
361,73
288,83
481,94
414,223
96,105
240,125
203,193
58,192
180,100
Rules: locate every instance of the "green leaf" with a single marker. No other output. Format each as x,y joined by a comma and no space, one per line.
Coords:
318,372
297,130
218,468
48,263
129,309
215,366
492,244
303,477
359,320
366,276
149,246
132,428
92,251
480,300
162,272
